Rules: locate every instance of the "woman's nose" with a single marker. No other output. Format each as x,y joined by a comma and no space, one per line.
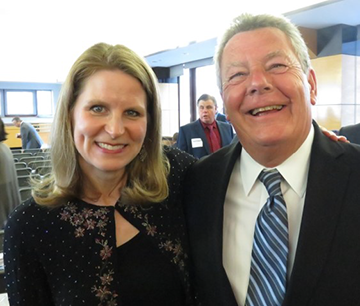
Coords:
115,127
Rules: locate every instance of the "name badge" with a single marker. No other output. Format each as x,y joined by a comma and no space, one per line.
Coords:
196,142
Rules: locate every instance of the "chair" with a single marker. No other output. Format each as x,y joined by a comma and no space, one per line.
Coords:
24,171
38,163
31,158
20,165
43,170
32,151
45,154
23,180
25,193
21,155
16,151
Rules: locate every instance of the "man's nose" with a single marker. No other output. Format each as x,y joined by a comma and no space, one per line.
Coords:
259,82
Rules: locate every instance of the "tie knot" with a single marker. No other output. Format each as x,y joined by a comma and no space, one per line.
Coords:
271,179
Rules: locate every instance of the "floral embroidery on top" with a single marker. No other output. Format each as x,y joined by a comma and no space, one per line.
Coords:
173,247
88,219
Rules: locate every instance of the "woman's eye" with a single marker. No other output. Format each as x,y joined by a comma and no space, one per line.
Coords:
132,113
97,109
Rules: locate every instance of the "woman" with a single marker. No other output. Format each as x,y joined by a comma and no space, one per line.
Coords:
9,189
106,227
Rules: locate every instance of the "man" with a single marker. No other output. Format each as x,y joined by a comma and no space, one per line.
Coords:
29,136
220,117
305,237
351,132
205,135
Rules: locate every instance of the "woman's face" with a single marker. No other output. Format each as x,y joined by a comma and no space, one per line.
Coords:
109,121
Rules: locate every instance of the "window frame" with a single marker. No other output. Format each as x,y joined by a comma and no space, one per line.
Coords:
4,103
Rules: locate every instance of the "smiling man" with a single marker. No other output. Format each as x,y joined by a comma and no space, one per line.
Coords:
274,219
205,135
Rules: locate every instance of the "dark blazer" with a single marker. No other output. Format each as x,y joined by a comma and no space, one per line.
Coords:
351,132
29,136
326,270
195,130
220,117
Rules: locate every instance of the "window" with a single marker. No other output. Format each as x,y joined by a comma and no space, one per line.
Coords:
206,83
28,103
19,103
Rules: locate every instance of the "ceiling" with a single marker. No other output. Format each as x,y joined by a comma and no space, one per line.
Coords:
317,16
40,39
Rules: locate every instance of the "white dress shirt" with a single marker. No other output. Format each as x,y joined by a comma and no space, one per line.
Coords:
245,197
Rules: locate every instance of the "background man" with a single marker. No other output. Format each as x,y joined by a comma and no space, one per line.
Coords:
351,132
298,246
205,135
29,136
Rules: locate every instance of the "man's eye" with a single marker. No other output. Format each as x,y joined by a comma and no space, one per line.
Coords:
278,68
237,78
237,75
97,109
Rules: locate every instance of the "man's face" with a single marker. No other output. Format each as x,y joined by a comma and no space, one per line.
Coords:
267,96
16,123
207,111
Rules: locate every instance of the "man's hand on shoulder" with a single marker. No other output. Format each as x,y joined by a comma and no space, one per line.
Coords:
333,136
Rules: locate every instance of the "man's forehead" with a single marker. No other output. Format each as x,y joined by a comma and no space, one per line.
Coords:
206,102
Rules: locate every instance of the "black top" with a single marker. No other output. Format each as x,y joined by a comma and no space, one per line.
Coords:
66,256
146,278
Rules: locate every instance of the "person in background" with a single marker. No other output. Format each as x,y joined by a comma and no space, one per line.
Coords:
220,117
9,189
351,132
274,218
205,135
30,138
107,226
174,139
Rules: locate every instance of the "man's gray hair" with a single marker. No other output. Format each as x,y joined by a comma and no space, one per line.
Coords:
247,22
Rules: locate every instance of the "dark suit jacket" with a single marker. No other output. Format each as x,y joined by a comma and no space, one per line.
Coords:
195,130
220,117
326,270
29,136
351,132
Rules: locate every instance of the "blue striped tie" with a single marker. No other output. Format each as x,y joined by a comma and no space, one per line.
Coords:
267,283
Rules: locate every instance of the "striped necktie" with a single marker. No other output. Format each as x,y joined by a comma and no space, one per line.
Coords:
267,283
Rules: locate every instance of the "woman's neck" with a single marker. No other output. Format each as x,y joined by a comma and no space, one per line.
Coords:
104,190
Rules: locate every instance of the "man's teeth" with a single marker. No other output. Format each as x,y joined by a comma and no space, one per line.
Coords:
110,147
265,109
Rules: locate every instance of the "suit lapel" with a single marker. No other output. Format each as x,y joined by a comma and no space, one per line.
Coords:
323,202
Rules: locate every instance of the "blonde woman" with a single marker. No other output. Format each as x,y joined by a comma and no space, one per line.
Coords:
106,227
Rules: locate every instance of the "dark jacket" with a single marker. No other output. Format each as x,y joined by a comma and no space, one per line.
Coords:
326,270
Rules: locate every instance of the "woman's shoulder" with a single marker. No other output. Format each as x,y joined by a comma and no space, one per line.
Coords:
179,158
26,211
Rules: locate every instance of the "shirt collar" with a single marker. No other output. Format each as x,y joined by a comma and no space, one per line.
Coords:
213,125
292,169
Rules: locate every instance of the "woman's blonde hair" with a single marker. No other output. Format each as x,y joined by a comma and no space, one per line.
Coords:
146,174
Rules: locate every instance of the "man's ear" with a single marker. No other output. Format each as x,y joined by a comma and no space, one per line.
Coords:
313,86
